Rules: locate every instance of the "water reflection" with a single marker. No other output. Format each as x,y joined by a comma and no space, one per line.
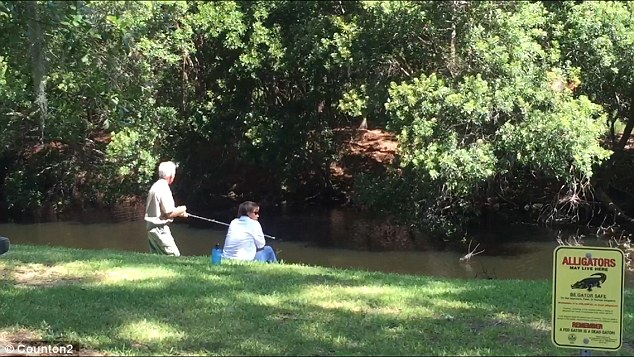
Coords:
130,236
304,241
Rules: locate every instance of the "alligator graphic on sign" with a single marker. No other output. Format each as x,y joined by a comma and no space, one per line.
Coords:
594,280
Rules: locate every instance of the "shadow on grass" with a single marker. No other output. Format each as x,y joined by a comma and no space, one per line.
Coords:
258,309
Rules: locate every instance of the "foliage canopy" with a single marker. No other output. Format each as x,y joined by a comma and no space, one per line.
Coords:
94,94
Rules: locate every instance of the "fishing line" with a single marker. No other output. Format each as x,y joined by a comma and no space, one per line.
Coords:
218,222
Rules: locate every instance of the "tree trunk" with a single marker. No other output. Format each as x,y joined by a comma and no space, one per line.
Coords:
38,61
630,122
452,43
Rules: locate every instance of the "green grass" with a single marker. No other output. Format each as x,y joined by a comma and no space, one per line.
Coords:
126,303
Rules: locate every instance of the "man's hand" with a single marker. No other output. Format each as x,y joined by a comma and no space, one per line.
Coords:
182,211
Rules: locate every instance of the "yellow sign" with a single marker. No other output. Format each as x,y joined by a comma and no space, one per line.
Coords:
588,297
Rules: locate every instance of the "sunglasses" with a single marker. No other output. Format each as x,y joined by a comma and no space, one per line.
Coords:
256,212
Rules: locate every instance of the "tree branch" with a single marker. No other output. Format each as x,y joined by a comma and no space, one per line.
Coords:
613,207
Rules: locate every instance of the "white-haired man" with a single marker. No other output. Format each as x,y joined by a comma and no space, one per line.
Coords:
160,211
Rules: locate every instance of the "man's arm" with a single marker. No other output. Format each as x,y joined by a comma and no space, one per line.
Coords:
167,205
180,211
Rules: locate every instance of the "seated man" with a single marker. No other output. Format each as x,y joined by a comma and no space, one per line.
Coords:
4,245
245,239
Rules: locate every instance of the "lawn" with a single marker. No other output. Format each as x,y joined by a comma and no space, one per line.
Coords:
124,303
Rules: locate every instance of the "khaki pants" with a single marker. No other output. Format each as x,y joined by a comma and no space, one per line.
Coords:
161,241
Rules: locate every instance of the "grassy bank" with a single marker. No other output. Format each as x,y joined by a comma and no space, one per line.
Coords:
130,303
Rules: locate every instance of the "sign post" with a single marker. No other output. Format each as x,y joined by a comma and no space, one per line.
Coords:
587,306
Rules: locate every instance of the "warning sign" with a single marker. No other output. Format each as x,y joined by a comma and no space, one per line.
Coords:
588,297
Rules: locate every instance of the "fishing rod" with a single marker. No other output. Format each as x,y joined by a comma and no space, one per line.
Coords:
223,223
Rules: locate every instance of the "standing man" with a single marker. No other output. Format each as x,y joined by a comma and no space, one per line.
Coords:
245,240
161,211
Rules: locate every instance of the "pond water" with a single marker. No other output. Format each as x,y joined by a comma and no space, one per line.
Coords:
313,238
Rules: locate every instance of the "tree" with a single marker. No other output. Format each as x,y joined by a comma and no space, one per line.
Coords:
495,114
598,37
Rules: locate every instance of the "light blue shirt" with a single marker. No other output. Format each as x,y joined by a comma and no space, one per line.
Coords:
244,237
